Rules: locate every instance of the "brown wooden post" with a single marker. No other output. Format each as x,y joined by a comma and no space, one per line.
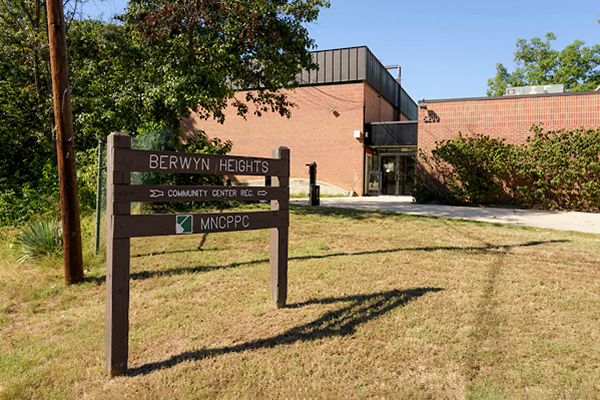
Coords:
279,236
65,144
116,334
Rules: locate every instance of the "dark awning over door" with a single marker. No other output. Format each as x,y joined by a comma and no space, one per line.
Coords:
402,133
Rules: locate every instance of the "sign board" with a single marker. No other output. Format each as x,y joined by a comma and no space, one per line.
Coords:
152,193
122,226
128,226
193,163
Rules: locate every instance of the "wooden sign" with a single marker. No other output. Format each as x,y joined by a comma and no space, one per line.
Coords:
153,193
121,225
192,163
127,226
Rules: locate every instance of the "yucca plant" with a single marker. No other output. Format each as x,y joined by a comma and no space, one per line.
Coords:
39,238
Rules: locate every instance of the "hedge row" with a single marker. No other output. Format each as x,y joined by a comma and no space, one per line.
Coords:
552,170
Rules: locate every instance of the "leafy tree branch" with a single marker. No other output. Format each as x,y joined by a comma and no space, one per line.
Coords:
576,66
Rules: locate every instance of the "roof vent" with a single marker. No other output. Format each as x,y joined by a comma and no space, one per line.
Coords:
540,89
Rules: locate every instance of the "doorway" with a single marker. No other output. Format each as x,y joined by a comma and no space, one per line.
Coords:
397,174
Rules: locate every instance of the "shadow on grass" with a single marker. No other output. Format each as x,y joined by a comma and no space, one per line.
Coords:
341,212
340,322
162,253
98,280
190,270
432,248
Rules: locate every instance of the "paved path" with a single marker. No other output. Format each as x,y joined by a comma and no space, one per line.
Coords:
570,221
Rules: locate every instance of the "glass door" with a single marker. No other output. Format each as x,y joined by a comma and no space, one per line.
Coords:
406,167
389,175
397,174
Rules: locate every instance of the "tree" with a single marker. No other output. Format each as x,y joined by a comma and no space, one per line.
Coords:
25,100
576,66
199,52
162,60
165,59
107,81
26,118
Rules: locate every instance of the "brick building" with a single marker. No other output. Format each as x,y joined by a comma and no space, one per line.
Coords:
353,118
508,117
351,91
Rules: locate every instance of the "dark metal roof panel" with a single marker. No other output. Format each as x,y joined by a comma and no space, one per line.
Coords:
345,66
358,64
337,65
361,63
353,62
323,67
408,106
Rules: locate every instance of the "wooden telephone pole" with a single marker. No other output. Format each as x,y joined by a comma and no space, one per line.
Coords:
65,144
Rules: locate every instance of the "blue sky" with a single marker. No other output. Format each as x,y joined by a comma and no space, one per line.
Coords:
447,49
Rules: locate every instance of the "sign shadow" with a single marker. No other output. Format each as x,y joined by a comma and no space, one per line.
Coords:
197,269
343,321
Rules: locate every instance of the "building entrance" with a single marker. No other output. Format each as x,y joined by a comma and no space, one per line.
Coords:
397,174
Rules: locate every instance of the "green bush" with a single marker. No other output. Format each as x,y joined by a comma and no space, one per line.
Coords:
561,169
467,170
39,238
432,181
87,179
552,170
41,196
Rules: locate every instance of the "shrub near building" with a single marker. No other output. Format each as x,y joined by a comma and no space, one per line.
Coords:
552,170
562,169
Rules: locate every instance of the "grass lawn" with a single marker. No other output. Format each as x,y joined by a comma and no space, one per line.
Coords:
380,305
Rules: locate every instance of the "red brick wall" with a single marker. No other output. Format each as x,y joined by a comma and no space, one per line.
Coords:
321,129
377,108
508,117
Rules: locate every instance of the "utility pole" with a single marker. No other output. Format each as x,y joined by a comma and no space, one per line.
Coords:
65,144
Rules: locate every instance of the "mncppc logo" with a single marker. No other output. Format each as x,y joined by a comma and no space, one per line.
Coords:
183,224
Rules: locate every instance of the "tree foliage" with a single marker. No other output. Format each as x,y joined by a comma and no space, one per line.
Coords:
576,66
108,82
161,60
201,51
25,108
167,57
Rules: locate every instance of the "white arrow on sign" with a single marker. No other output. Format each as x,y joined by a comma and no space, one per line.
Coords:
156,193
262,193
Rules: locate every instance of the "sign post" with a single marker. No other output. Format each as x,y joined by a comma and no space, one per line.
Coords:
121,225
116,329
279,236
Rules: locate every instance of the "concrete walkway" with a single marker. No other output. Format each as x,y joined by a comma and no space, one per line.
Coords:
569,221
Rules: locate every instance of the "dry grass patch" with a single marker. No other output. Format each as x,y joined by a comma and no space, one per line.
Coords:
380,305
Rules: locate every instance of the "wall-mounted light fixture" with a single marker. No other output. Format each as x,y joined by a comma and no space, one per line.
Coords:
422,104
